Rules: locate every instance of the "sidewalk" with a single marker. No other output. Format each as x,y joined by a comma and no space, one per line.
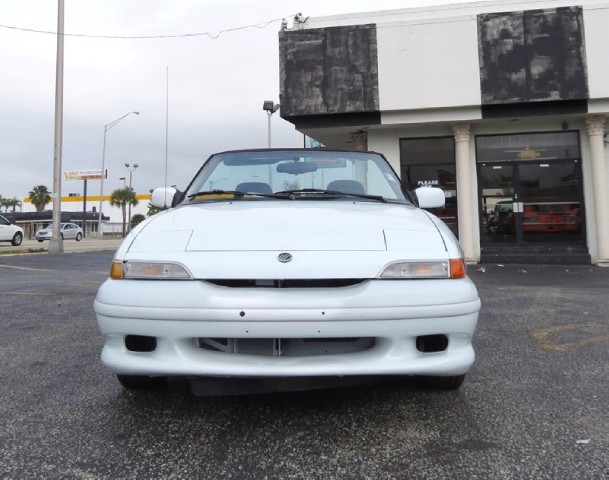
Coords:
87,244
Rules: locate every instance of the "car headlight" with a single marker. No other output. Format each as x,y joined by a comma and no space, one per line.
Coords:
148,270
453,268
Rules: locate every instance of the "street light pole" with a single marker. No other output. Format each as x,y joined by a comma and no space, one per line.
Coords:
103,170
269,107
131,170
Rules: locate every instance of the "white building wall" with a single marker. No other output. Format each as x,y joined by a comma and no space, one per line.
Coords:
445,54
596,21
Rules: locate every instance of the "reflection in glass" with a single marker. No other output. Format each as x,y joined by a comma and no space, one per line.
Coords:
431,161
497,197
525,147
551,208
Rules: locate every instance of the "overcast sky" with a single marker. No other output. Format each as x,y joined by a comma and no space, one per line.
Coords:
215,86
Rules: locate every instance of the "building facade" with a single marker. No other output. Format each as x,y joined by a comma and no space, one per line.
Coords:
502,105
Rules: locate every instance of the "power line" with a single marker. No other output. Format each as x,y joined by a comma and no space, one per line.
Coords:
212,35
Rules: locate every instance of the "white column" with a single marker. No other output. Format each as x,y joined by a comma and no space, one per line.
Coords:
466,210
595,125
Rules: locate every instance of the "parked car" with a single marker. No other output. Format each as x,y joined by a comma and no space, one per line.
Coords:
10,232
290,263
67,231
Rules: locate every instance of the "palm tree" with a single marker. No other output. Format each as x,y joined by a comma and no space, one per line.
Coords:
8,203
40,196
121,198
11,202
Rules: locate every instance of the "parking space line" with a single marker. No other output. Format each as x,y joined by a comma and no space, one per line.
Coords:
26,268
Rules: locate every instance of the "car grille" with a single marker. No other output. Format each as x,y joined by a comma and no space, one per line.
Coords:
287,347
290,283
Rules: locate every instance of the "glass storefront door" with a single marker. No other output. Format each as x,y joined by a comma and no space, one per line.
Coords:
531,202
530,189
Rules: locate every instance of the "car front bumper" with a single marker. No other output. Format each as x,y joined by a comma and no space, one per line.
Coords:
394,314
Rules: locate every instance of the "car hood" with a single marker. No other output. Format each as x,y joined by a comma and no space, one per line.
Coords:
301,225
327,239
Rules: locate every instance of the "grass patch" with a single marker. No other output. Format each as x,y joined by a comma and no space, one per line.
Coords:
29,250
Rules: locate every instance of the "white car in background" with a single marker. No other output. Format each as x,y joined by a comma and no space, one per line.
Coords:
67,231
10,232
290,264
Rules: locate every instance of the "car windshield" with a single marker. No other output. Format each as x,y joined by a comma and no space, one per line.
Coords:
296,174
50,226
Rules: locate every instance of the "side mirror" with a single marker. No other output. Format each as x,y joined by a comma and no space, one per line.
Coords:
430,197
163,197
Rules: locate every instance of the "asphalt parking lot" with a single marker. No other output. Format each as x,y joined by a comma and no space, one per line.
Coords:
534,406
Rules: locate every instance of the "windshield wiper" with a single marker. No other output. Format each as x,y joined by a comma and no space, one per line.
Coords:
290,194
236,193
336,193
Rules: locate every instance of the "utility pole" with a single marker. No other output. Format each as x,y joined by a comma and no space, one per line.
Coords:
56,243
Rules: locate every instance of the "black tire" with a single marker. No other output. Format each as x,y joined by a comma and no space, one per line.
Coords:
78,237
441,383
17,239
141,382
40,241
61,235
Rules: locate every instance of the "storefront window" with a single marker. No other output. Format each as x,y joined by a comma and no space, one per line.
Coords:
431,161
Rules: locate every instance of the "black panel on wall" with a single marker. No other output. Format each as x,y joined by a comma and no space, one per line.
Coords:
534,109
532,56
328,71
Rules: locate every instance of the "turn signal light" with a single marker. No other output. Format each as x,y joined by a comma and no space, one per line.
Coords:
458,269
116,270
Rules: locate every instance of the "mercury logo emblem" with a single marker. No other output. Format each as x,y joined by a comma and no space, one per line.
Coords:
284,257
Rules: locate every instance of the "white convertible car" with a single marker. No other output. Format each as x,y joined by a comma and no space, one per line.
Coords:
290,263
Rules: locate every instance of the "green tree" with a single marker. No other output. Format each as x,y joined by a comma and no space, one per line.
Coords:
137,219
121,198
40,197
152,210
